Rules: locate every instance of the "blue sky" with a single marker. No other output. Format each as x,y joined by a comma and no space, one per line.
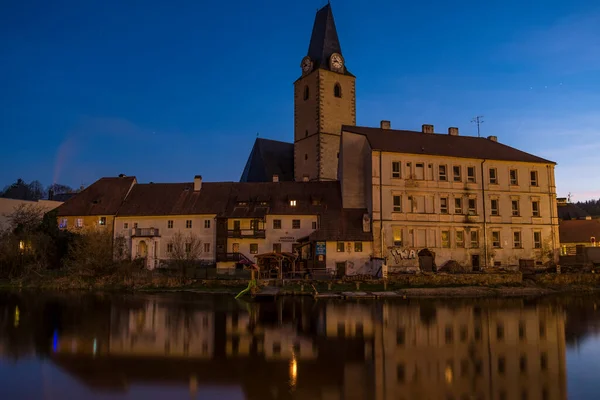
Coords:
168,90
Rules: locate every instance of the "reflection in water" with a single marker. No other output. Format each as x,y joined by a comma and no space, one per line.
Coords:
296,348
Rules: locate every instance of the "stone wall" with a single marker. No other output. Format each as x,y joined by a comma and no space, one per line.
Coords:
441,279
567,279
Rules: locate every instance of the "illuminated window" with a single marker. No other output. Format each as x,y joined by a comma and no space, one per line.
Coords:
253,248
102,221
397,232
358,248
446,239
293,203
340,247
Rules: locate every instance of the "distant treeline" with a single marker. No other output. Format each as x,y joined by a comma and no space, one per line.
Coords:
592,207
33,190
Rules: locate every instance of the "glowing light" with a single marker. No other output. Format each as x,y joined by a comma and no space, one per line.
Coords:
55,341
293,372
17,316
448,374
95,346
21,245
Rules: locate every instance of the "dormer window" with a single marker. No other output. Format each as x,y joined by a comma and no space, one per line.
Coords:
292,203
242,203
337,91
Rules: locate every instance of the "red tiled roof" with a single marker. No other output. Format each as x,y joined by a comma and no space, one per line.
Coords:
412,142
579,231
103,197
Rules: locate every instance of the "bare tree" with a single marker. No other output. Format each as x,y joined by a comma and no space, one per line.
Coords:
25,218
185,250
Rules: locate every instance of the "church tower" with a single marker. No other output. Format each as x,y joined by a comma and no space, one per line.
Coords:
324,100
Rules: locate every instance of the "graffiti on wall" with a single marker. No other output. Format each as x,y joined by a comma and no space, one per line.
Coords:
399,254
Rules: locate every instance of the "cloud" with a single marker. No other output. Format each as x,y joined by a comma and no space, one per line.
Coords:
570,45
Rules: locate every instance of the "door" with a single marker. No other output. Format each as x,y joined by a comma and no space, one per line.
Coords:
426,261
236,225
475,262
143,249
340,269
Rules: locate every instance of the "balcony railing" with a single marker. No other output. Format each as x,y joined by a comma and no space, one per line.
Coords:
145,232
246,233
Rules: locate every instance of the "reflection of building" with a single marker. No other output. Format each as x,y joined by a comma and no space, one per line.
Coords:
442,352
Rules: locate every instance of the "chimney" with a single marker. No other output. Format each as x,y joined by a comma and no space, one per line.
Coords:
275,178
51,194
385,125
493,138
452,131
427,128
197,183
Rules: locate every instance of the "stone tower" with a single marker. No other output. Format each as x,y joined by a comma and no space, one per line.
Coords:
324,100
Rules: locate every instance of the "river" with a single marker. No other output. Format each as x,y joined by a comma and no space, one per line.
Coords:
190,346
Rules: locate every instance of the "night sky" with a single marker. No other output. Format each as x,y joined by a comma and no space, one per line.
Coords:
167,90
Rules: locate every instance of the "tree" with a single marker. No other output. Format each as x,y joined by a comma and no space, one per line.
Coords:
25,218
185,250
91,253
57,188
36,191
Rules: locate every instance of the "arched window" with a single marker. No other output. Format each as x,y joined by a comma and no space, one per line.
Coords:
306,93
337,90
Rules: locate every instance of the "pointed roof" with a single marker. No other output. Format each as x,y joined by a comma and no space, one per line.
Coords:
324,40
268,158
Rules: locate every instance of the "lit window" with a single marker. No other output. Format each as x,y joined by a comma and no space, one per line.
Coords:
537,240
358,247
396,169
446,239
397,203
293,203
295,224
253,248
496,239
63,223
102,221
21,245
397,232
188,224
442,173
170,224
340,247
207,224
79,223
514,177
534,178
517,239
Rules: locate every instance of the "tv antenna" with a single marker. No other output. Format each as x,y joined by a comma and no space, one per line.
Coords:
478,120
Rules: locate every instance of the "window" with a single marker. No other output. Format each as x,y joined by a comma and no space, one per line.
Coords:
188,224
295,224
496,239
314,225
458,205
523,364
135,225
446,239
449,334
517,239
494,208
470,174
306,92
340,247
522,330
515,208
169,247
207,247
207,224
276,247
188,247
443,205
513,177
276,224
79,223
63,223
533,178
474,239
501,365
493,176
460,239
125,225
472,206
337,90
537,240
544,361
102,221
358,247
396,169
419,171
400,373
456,171
397,232
400,336
442,173
293,203
236,225
253,248
170,224
397,203
535,208
499,331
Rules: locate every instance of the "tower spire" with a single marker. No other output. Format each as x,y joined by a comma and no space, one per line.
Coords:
324,39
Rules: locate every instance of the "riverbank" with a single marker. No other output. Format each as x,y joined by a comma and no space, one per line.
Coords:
440,285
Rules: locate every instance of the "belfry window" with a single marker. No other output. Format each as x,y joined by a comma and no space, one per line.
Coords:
306,93
337,90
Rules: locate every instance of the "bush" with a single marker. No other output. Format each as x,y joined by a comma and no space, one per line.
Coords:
453,267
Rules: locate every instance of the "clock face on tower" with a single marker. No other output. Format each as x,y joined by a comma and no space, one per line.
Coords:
336,62
306,65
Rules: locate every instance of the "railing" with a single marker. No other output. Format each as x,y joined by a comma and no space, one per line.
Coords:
145,232
234,257
246,233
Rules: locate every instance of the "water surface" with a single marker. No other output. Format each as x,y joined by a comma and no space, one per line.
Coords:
58,346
